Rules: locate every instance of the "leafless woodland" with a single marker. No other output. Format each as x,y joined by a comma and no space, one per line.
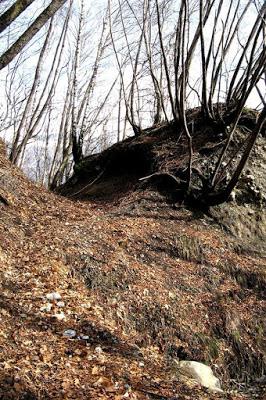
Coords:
77,76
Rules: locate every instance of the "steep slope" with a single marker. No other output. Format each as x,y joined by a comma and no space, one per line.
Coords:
141,284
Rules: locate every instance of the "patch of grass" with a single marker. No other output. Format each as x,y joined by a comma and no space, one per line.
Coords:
259,332
152,317
244,362
211,345
156,324
98,275
188,248
253,280
253,248
213,348
118,277
236,335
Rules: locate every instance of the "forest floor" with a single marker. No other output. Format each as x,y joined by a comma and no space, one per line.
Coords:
142,284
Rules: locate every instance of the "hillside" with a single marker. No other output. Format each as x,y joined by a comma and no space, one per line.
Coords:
141,283
158,159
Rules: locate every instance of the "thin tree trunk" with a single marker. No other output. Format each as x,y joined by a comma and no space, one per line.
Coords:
248,84
205,106
119,112
159,104
14,150
77,142
183,100
62,131
89,90
165,63
119,64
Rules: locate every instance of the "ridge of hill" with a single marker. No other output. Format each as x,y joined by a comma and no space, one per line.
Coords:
158,160
99,299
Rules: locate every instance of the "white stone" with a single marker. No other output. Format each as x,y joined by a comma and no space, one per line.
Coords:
53,296
233,196
201,373
46,307
250,176
171,295
59,316
98,350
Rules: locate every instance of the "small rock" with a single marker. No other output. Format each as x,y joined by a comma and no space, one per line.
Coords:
53,296
84,337
251,212
233,196
201,373
70,333
250,177
171,295
114,302
46,307
98,350
59,316
60,304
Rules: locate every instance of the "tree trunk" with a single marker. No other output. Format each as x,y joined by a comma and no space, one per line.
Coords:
24,39
13,12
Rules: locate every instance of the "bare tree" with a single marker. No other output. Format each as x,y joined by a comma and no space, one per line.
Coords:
38,111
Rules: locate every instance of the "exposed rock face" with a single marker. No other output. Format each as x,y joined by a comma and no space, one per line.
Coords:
245,215
201,373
